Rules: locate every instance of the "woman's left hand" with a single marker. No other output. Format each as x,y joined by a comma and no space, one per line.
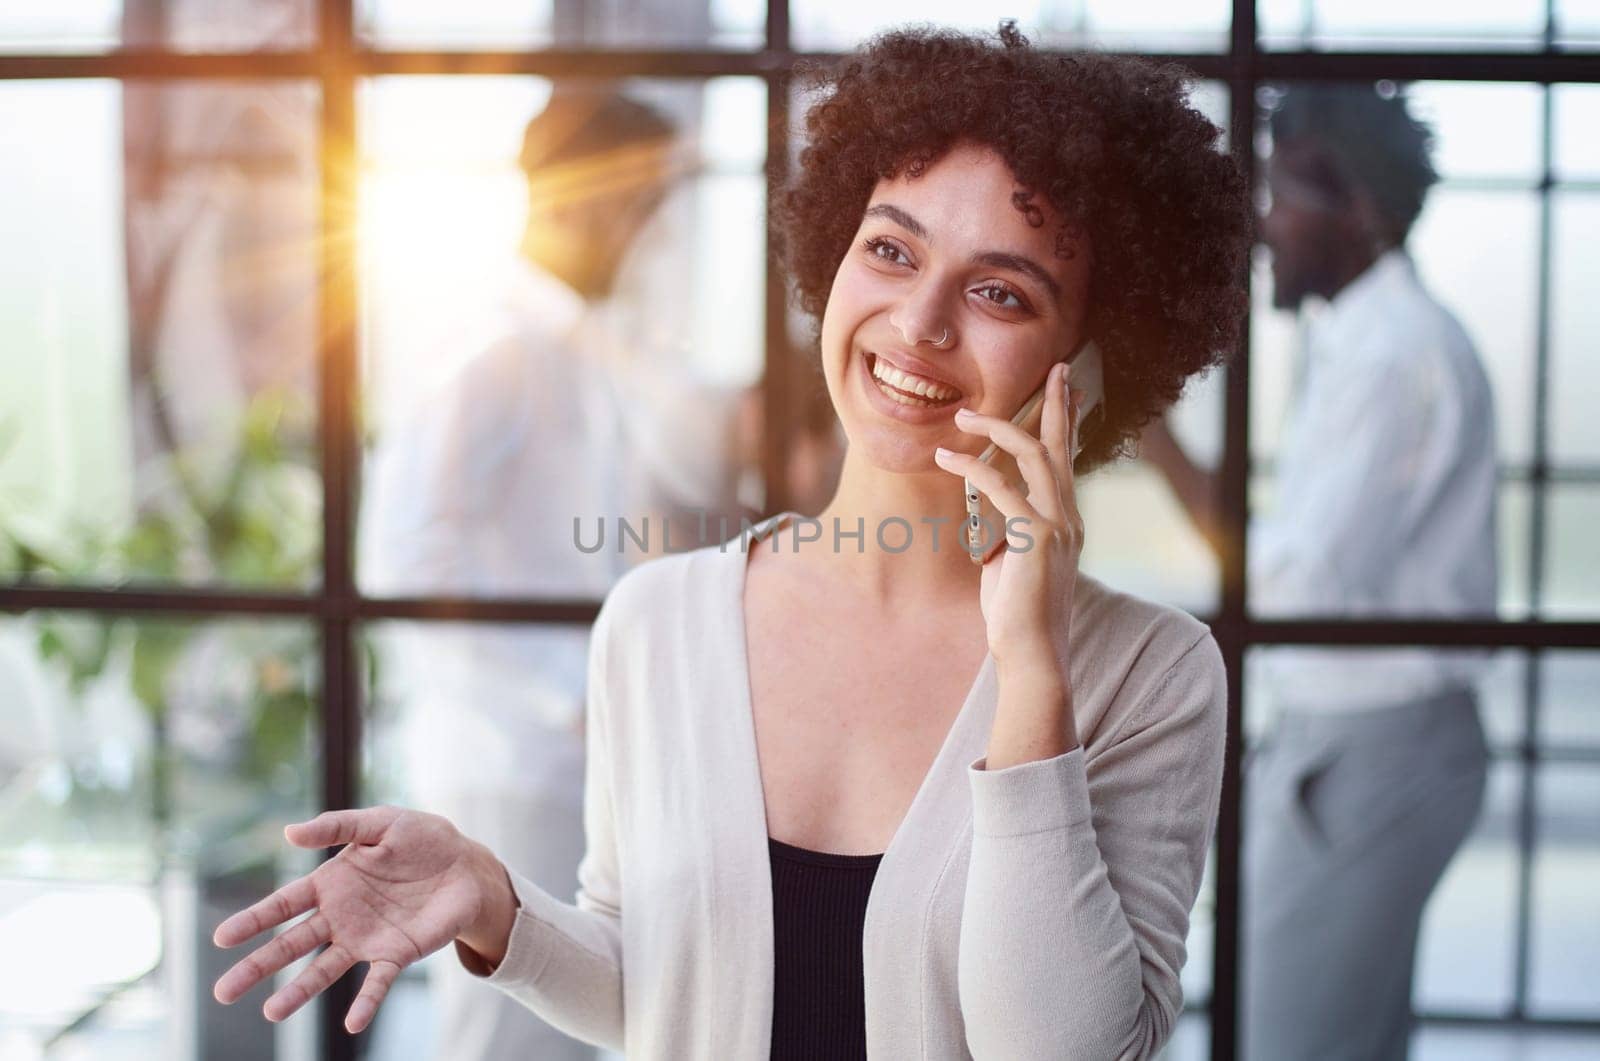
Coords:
1026,594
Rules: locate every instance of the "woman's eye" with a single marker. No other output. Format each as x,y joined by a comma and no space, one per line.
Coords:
887,251
999,296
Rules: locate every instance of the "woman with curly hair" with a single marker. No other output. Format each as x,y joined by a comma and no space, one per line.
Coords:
876,799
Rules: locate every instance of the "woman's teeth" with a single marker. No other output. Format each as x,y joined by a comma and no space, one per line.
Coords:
900,386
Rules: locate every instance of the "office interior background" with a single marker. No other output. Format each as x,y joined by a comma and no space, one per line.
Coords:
242,239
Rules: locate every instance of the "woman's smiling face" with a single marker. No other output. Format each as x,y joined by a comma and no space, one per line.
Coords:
946,255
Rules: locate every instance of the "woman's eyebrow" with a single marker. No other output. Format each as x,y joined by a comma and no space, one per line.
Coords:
996,259
899,217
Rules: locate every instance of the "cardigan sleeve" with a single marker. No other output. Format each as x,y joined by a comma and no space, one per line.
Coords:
1083,874
564,960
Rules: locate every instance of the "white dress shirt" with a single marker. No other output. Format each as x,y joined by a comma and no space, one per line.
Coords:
474,494
1385,494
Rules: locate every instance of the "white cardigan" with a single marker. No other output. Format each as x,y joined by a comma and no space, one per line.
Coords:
1039,911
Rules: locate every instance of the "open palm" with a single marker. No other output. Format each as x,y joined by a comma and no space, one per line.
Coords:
402,888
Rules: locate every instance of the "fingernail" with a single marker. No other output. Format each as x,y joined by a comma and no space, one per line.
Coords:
963,413
940,453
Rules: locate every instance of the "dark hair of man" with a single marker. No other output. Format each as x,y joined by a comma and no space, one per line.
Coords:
1368,139
583,121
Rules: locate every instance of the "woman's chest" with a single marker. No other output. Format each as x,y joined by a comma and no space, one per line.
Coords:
848,722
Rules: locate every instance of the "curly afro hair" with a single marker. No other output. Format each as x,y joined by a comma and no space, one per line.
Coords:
1111,142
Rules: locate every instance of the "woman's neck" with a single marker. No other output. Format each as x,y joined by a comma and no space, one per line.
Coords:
895,560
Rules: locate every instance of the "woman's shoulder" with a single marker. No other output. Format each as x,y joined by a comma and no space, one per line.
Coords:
671,591
1137,661
1130,625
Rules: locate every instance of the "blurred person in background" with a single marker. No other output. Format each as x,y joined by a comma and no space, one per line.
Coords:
476,493
1385,505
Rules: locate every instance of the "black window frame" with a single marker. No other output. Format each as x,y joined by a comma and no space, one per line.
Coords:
337,61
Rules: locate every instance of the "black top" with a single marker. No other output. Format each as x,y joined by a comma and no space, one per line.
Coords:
819,905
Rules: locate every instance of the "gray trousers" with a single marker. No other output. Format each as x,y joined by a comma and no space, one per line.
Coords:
1350,820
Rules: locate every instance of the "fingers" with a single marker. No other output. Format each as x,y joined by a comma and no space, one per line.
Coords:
285,904
380,975
316,978
291,946
1055,430
334,827
1032,456
1006,497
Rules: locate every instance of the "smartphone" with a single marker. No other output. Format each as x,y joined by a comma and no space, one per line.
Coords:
985,529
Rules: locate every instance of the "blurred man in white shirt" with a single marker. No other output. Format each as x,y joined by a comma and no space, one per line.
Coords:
1384,506
475,495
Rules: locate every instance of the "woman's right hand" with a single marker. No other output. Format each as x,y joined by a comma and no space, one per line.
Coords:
406,884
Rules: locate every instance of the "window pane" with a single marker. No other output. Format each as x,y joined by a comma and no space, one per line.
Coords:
1139,25
158,296
1137,535
1571,577
479,722
1436,1042
1492,295
493,24
1482,130
1568,714
148,768
1574,324
1400,24
1566,934
1577,23
1515,535
495,423
1191,1039
1576,113
179,25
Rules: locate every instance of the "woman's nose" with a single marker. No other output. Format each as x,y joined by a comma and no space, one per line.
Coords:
920,317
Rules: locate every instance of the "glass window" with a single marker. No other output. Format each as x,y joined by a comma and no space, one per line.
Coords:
1571,577
1140,25
1574,324
504,403
1137,536
482,723
1566,934
493,24
147,768
1577,23
1191,1039
159,302
39,26
1482,130
1494,294
1576,112
1400,24
1568,718
1514,536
